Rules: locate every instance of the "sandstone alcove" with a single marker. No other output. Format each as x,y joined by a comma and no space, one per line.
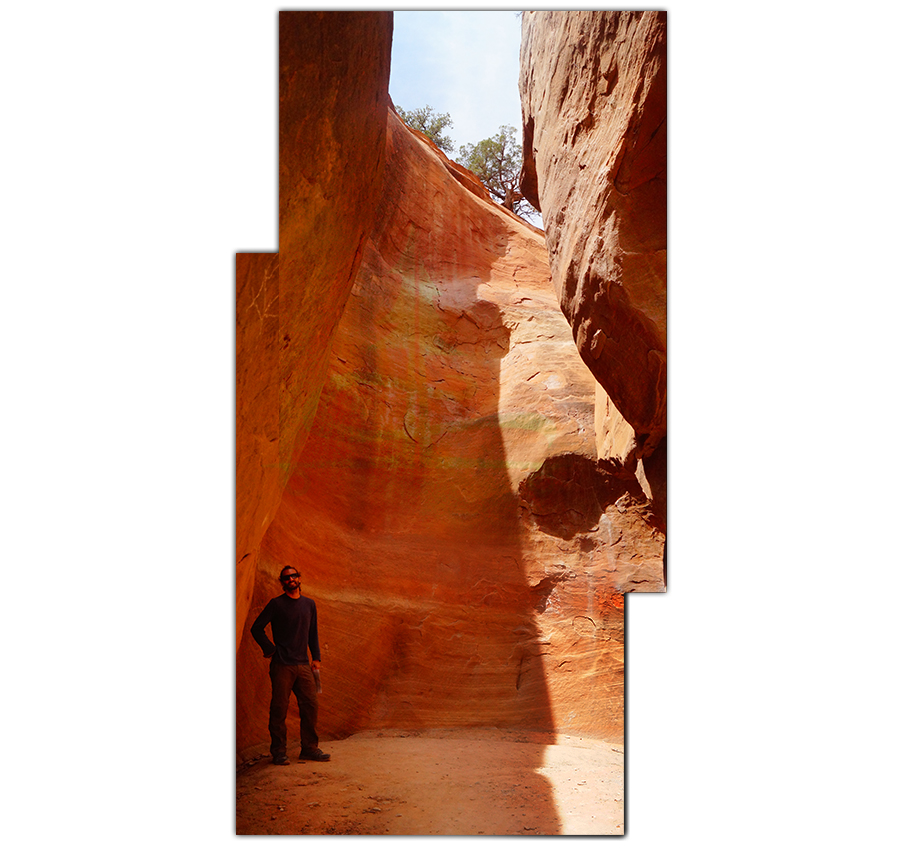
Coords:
418,432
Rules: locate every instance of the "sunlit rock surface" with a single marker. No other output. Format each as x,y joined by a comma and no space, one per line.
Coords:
334,70
593,88
467,552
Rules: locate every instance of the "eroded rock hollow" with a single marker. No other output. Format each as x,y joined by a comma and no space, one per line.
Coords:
467,546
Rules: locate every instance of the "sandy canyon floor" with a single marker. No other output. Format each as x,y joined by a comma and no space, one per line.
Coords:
439,782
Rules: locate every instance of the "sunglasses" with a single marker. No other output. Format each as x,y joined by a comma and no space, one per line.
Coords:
290,576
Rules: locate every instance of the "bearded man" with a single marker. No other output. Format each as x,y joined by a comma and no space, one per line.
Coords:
296,634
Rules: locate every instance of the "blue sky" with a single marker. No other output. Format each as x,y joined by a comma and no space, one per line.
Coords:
462,63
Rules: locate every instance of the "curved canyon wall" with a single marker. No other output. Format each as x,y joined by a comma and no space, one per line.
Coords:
438,477
333,82
467,552
593,89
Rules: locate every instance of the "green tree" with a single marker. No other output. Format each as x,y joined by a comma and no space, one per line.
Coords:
430,123
497,162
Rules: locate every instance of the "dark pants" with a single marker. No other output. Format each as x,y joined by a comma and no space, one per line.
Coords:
299,680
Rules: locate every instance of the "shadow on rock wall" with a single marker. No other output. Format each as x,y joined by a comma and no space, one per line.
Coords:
399,509
567,495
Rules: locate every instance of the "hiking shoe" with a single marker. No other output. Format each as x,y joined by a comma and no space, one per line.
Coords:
314,755
281,761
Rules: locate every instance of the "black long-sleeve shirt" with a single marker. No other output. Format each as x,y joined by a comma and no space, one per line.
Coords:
294,628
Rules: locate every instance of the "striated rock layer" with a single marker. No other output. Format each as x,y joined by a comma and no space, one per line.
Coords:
334,70
593,89
467,551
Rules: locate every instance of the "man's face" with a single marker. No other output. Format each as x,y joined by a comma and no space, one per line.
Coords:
290,581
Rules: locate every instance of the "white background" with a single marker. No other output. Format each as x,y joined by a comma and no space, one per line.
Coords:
139,153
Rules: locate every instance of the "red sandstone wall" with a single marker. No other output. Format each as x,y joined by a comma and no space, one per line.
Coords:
467,555
468,550
593,88
333,79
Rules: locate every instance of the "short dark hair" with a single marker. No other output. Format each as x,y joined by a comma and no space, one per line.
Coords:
285,569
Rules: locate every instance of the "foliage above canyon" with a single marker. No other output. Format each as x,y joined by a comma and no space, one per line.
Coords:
430,123
496,161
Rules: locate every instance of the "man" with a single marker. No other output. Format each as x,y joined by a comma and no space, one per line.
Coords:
294,628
